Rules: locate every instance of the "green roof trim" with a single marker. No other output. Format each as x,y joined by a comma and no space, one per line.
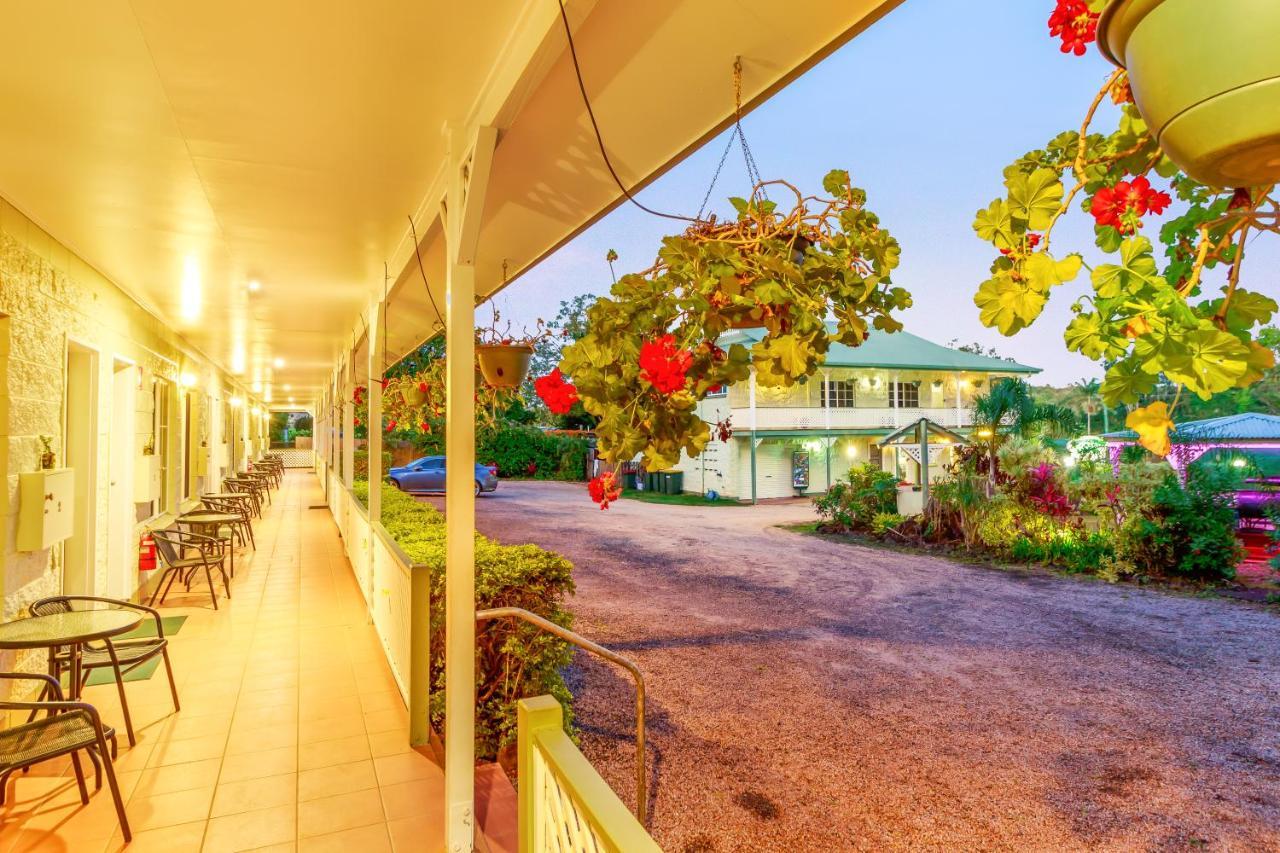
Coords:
897,350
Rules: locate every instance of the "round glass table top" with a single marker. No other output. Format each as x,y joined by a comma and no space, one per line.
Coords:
208,516
62,629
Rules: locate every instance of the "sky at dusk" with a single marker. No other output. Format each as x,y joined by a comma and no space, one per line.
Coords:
924,109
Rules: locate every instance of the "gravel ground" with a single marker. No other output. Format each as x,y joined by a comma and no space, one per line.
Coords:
809,695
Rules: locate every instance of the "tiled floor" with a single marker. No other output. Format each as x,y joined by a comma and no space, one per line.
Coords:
292,734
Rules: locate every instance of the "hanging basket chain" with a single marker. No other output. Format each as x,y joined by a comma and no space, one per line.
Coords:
753,172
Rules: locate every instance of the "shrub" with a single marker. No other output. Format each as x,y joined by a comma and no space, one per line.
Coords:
1005,521
883,522
520,451
360,466
853,504
1186,531
513,659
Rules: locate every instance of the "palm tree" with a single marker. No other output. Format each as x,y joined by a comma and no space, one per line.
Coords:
1090,404
1010,406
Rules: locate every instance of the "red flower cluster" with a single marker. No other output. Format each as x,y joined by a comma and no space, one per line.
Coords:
1072,22
558,394
605,489
391,425
1124,205
358,396
664,366
1033,240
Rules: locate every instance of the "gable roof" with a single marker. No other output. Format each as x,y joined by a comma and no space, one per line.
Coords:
901,350
1250,426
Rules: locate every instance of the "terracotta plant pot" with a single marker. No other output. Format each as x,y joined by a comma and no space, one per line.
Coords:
413,396
504,365
1206,78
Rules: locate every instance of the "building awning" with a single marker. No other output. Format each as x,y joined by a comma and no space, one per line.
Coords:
910,434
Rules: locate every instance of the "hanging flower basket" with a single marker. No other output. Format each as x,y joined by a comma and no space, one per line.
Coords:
1206,78
504,365
413,394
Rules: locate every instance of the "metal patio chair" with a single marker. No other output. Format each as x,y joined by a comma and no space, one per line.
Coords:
184,555
238,506
66,729
121,656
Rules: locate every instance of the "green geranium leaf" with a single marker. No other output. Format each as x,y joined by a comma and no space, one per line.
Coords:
836,182
1109,238
1035,198
1125,382
1007,305
1214,361
1085,335
995,225
1043,272
1136,268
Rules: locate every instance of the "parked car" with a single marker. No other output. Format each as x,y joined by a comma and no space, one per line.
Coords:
427,475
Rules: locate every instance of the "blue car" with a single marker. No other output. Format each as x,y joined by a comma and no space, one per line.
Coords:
427,475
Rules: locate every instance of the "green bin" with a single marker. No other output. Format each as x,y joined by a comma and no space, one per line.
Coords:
672,482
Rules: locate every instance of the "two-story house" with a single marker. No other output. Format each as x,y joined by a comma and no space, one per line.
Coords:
789,441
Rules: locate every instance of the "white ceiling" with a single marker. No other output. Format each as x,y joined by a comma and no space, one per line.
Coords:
286,142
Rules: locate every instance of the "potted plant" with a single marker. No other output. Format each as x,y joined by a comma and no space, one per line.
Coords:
504,356
1206,79
48,459
653,347
1139,319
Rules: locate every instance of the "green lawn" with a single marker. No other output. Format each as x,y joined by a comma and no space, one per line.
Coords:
682,499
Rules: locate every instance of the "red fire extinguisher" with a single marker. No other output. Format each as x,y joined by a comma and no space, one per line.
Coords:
146,553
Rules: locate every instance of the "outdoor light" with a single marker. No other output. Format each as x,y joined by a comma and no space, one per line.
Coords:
191,293
279,363
254,286
235,402
188,380
985,433
1238,462
851,451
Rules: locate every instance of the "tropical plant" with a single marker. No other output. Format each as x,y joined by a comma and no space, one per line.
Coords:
1138,319
651,351
1187,530
853,504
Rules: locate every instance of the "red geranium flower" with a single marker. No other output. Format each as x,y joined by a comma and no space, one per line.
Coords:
663,365
1124,205
605,489
391,425
1072,22
558,394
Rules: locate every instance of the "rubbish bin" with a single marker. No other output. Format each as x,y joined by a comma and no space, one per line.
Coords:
672,482
629,479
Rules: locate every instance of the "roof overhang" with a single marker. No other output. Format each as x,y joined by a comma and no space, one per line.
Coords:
287,143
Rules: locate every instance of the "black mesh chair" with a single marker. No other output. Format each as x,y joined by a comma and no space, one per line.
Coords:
121,656
66,729
186,554
238,506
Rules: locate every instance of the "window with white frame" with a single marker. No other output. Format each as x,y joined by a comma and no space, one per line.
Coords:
837,394
905,395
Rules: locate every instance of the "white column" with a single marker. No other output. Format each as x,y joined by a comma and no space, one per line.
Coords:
374,430
893,397
469,161
959,415
348,419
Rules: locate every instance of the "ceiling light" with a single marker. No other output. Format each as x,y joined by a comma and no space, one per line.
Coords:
257,387
237,360
290,399
288,387
254,285
188,380
191,290
279,363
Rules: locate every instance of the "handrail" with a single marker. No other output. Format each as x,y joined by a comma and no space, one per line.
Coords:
600,651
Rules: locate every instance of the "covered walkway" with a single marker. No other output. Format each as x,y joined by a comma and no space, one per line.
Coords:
292,735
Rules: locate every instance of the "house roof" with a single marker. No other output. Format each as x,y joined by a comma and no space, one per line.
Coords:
901,350
909,434
1250,426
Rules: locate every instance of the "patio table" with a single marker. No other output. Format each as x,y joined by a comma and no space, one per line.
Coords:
203,519
72,629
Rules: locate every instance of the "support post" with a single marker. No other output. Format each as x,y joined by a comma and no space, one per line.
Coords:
348,422
959,410
468,182
751,390
923,427
826,420
894,393
374,430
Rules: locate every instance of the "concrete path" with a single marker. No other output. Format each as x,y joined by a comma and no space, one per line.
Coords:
814,696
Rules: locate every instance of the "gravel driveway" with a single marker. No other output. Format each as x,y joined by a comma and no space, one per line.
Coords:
808,695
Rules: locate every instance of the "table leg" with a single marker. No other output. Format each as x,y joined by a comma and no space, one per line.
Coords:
75,673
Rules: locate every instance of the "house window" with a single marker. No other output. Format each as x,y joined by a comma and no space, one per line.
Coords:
905,395
837,394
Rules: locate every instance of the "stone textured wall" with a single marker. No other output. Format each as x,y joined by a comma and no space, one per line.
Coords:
48,296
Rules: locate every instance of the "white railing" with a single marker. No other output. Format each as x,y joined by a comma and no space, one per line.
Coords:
564,804
816,418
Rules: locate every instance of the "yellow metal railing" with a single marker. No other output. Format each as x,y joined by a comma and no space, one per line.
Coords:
565,807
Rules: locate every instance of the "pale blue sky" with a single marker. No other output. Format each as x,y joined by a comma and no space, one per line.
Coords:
924,109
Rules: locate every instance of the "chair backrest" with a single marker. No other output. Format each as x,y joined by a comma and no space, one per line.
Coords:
168,548
51,605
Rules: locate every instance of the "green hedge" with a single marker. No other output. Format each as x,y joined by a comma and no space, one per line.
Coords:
360,465
515,447
513,659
